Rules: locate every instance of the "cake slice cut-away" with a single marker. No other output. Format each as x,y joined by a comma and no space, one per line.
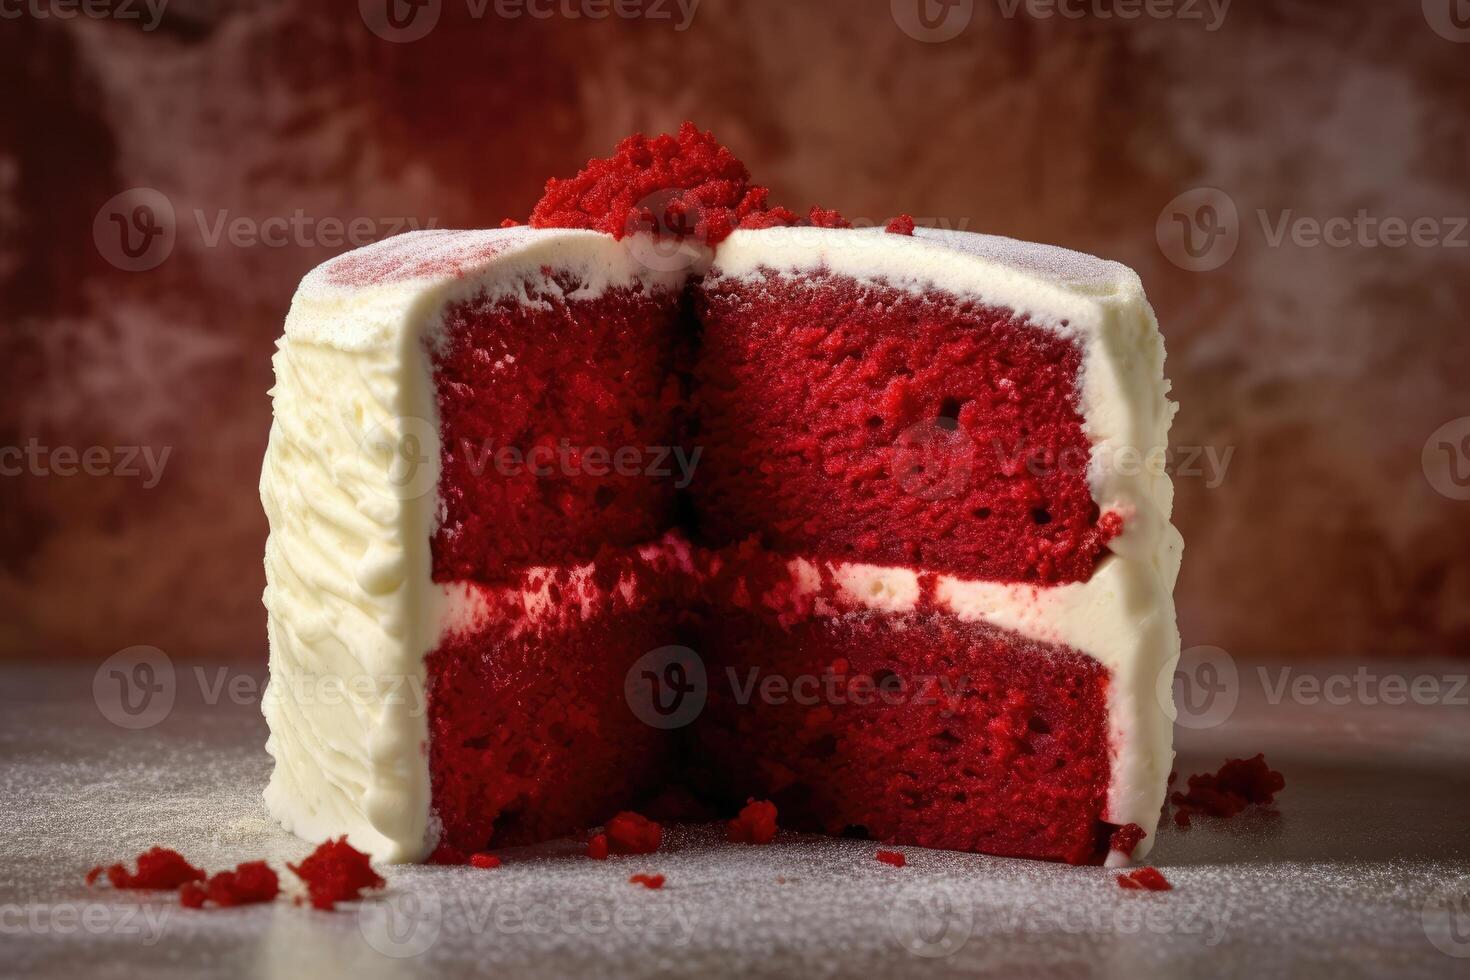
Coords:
871,525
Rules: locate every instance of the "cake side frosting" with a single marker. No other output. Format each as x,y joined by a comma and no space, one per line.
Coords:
344,596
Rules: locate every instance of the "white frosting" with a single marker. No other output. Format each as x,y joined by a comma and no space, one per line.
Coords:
347,563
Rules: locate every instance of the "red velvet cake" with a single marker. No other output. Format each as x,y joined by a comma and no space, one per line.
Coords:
674,488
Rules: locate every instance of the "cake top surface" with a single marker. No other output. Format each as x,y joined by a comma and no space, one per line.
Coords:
690,190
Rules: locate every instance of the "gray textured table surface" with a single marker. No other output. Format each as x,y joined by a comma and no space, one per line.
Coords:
1363,870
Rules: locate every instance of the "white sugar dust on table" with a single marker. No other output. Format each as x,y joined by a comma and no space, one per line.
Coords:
1348,876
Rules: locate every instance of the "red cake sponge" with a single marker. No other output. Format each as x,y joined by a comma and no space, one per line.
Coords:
336,872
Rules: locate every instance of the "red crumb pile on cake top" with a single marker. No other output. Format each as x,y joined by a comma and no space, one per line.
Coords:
684,186
336,872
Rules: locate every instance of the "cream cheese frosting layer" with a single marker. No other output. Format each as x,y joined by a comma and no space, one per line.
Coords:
351,473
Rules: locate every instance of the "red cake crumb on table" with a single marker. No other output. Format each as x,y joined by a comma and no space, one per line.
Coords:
484,860
647,881
158,868
756,823
251,883
1126,838
509,223
1145,879
1238,784
632,833
894,858
336,872
94,874
597,847
685,186
901,225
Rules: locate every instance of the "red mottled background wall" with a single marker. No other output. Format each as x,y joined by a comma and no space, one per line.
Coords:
1311,375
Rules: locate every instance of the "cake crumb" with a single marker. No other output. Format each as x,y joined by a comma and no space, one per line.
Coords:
827,218
251,883
336,872
597,847
894,858
901,225
1126,839
756,823
1239,783
632,833
485,861
685,186
159,869
1145,879
647,881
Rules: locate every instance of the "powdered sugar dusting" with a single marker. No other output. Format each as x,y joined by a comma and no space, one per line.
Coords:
1340,872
